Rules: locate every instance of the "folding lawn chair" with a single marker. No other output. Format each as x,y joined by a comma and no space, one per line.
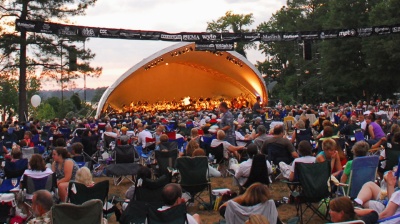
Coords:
363,170
79,193
166,159
90,212
173,215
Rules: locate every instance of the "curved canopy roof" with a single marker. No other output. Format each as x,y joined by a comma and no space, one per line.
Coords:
178,71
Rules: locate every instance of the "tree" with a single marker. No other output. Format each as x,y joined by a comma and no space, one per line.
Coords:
235,23
76,101
33,51
97,94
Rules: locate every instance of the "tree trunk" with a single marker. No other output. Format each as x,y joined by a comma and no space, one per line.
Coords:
22,101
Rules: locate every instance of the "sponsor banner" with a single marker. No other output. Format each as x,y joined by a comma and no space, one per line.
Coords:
347,33
329,34
224,46
250,37
191,37
396,28
49,28
365,32
269,37
309,35
210,37
109,33
170,37
291,36
231,36
150,35
89,31
205,47
382,30
129,34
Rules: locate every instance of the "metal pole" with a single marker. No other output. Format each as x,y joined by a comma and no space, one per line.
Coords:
84,75
61,79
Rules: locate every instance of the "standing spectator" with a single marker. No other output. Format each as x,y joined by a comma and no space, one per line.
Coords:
227,123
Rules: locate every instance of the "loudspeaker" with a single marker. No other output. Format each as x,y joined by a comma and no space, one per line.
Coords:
72,59
307,51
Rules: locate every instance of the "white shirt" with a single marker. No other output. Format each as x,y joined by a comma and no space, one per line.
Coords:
142,137
239,136
244,170
305,159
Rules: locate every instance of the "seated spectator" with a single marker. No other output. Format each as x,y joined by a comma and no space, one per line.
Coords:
165,144
65,168
359,149
191,146
242,170
305,151
331,154
28,138
228,148
76,151
301,133
37,169
16,153
157,134
211,170
172,196
341,210
260,137
279,139
84,176
42,202
240,139
255,197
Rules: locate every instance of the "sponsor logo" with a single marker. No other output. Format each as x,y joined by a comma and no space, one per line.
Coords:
129,35
230,36
26,25
290,36
309,36
88,32
191,37
103,31
224,46
271,37
347,33
209,36
382,30
67,31
205,47
364,32
252,37
150,35
171,37
46,28
396,29
324,35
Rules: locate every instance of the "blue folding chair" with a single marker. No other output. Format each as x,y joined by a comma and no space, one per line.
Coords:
363,170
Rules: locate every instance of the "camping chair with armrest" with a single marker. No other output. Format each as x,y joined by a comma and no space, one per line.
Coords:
236,213
311,189
172,215
147,193
124,162
66,132
392,156
29,185
219,158
166,159
27,152
90,212
363,170
179,142
205,142
194,177
13,172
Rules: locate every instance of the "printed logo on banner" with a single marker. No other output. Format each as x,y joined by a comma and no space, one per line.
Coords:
309,35
109,33
130,34
382,30
328,35
150,35
231,36
209,37
348,33
46,28
364,32
290,36
396,29
66,30
219,47
252,36
88,32
205,47
28,26
190,37
171,37
270,37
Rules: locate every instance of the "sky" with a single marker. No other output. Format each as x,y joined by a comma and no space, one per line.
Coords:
117,56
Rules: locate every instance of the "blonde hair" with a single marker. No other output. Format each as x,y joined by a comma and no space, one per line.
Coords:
84,176
220,135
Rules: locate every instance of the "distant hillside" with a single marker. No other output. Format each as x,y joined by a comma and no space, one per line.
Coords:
90,93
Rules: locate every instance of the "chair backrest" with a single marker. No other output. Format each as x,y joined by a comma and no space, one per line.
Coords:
166,159
278,153
45,183
313,178
218,153
392,156
124,154
193,170
66,132
79,193
27,152
171,134
205,143
173,215
135,212
363,170
151,190
15,169
107,140
236,213
1,151
90,212
359,135
258,174
179,142
170,145
36,139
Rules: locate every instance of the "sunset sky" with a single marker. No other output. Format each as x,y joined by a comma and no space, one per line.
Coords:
117,56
